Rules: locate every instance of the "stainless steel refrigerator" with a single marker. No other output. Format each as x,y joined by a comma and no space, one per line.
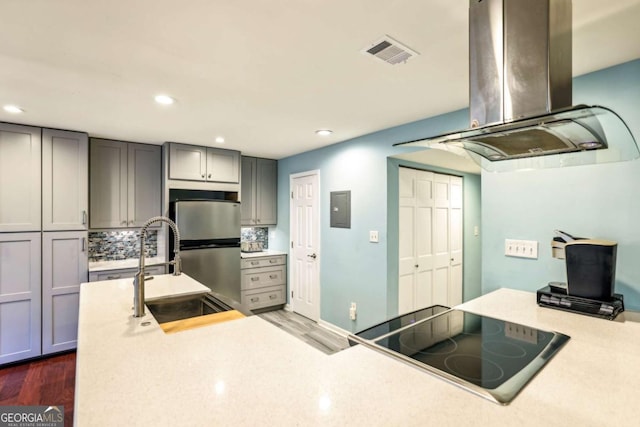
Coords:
210,243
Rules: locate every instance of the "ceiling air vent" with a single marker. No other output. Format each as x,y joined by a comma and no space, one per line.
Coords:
390,51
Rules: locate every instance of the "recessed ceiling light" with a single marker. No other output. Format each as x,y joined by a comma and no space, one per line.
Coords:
219,139
13,109
324,132
164,99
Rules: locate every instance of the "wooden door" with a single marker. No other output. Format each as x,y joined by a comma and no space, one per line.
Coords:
64,267
20,296
305,244
20,178
65,180
430,240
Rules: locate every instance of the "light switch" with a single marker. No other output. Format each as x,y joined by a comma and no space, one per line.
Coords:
373,236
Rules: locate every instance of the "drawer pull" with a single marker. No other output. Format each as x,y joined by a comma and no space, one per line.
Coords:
273,261
255,299
255,279
255,262
115,276
273,276
273,296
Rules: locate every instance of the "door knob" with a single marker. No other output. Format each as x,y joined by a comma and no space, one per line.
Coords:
312,256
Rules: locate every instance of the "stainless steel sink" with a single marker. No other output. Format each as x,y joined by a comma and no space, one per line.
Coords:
185,307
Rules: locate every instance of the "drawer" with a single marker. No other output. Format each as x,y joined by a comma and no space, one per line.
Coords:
266,297
123,273
263,261
254,278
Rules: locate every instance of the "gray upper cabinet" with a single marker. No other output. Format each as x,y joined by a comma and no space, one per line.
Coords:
125,183
144,183
64,267
20,177
65,180
259,191
196,163
20,296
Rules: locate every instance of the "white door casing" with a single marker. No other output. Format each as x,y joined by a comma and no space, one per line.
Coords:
430,239
305,244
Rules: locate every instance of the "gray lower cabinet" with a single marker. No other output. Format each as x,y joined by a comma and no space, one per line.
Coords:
259,191
263,281
125,183
20,296
64,267
123,273
20,178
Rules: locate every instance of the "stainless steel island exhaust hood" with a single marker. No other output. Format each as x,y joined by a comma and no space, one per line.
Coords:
520,94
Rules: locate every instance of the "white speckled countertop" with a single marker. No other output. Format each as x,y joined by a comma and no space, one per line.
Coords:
249,372
267,252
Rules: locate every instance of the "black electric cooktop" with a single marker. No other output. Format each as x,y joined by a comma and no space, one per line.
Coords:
492,358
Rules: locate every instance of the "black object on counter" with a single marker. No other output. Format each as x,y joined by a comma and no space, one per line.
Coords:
609,309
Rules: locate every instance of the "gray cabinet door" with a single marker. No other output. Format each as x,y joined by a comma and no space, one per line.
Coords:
20,296
223,165
108,183
144,183
266,192
187,162
64,267
65,180
247,191
20,176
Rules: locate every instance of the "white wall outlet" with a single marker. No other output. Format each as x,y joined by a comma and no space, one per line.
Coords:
373,237
521,248
352,311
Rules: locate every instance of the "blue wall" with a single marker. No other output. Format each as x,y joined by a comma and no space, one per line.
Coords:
352,268
592,201
588,201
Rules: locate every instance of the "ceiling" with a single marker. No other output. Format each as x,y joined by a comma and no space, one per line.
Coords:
264,74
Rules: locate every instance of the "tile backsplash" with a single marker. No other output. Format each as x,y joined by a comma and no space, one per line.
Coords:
255,234
120,244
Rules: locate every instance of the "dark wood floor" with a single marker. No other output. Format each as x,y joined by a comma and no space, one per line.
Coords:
49,381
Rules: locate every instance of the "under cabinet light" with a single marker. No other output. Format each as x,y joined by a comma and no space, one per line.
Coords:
13,109
164,99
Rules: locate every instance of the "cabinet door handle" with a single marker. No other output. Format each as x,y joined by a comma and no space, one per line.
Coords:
273,276
124,222
84,217
255,299
255,262
84,244
115,276
209,176
255,279
203,175
273,296
273,261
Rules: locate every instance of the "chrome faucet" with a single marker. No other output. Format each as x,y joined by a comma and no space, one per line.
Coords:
138,281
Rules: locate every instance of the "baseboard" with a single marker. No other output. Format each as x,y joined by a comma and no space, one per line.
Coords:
334,328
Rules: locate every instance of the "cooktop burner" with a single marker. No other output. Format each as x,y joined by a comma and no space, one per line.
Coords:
490,357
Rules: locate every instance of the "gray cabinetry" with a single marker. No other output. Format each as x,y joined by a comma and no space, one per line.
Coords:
263,282
196,163
65,180
20,296
125,181
20,178
259,191
64,267
123,273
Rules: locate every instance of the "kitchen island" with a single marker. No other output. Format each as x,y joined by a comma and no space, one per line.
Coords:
249,372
